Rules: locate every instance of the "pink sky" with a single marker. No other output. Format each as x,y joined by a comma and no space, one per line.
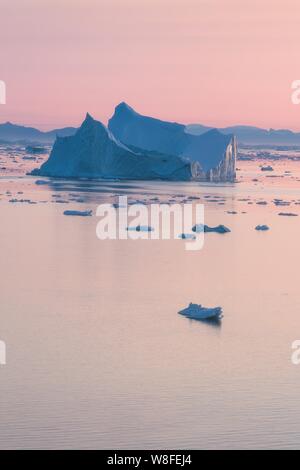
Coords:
216,62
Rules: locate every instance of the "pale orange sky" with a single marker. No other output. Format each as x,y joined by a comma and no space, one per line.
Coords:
216,62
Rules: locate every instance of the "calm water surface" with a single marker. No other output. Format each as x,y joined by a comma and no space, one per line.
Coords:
97,356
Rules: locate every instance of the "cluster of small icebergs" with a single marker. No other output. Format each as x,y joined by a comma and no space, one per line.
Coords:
202,228
23,201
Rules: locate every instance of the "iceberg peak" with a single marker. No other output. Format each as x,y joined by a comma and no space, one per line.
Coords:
90,124
123,107
88,117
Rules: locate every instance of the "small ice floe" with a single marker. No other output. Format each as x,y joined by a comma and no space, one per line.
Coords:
187,236
40,182
197,312
288,214
281,202
14,201
267,168
119,205
198,228
31,149
262,227
29,158
140,228
80,200
137,201
79,213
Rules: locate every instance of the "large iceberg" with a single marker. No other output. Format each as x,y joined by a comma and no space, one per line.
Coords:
212,155
93,152
138,147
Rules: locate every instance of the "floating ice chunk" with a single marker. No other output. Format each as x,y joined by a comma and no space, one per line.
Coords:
197,312
198,228
118,205
21,201
187,236
140,228
81,200
262,227
266,168
79,213
32,149
29,158
288,214
280,202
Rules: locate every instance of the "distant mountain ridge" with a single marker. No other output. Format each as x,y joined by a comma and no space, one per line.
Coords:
10,132
252,135
13,133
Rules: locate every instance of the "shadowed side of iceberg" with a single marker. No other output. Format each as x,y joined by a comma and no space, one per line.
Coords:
93,152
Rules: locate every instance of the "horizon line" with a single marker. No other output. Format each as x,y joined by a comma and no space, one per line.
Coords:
36,126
